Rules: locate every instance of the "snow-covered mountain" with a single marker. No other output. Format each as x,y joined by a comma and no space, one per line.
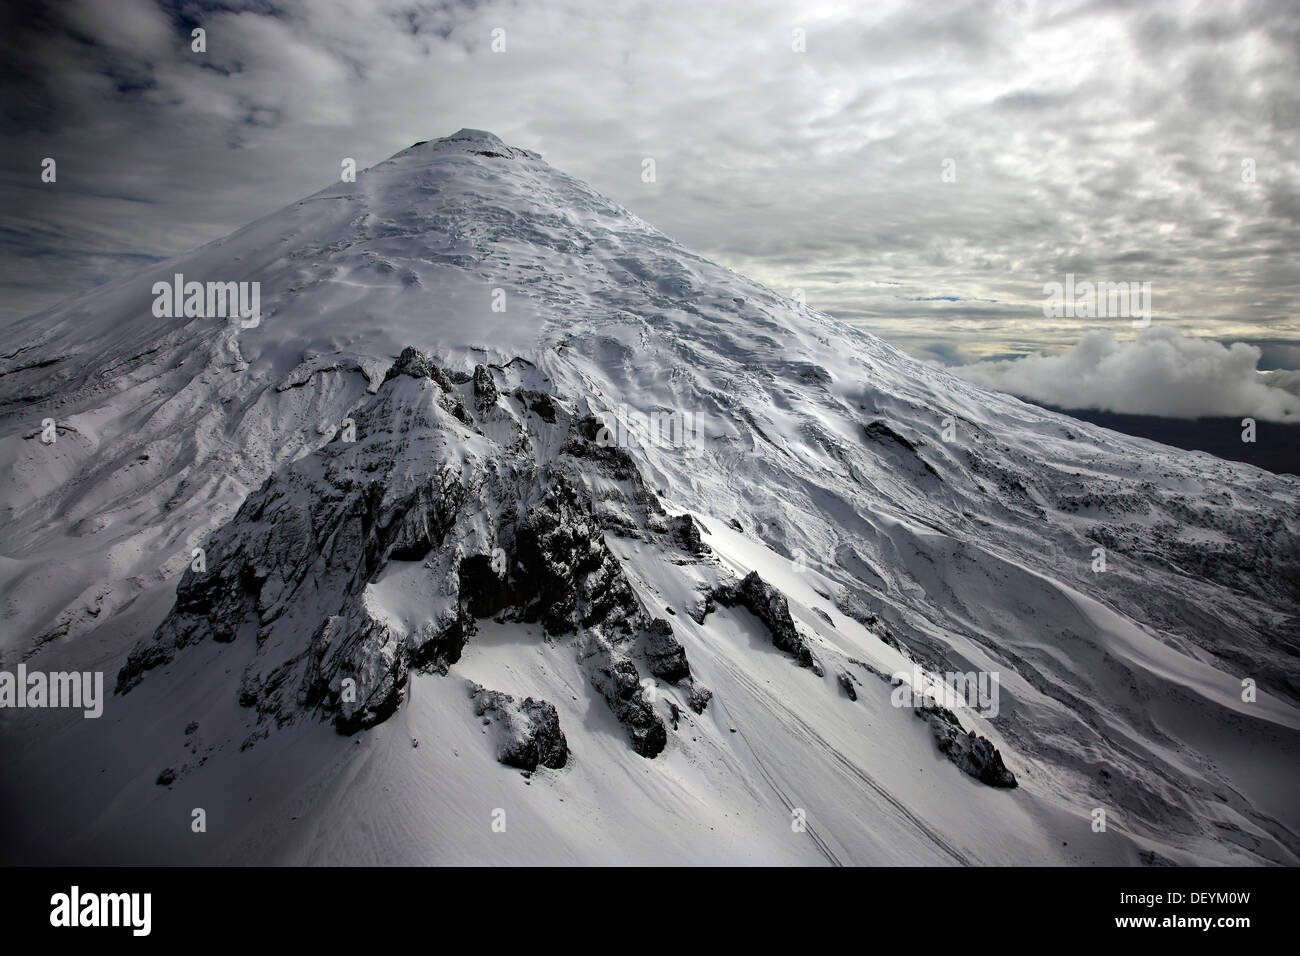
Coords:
513,532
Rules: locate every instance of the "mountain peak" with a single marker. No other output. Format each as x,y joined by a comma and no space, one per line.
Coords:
474,136
480,142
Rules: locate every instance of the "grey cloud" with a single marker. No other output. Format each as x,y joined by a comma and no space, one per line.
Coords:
818,170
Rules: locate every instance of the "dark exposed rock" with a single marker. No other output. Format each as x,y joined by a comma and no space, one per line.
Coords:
440,647
736,524
361,683
166,778
278,556
698,698
664,653
425,516
457,408
617,679
564,574
539,403
589,440
528,731
674,713
974,755
887,637
702,610
770,606
484,588
485,389
416,364
686,532
846,682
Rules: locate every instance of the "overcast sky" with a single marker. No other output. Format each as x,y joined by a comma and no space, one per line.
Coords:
922,168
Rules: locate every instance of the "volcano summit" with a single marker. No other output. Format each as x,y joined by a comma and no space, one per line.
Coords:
400,574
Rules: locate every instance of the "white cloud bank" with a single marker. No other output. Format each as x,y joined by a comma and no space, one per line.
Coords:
1162,372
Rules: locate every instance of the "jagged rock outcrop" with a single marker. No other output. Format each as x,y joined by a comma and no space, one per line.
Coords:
698,698
666,658
703,608
539,403
415,364
485,390
846,684
664,653
528,731
615,675
303,568
564,574
770,606
686,530
973,754
590,439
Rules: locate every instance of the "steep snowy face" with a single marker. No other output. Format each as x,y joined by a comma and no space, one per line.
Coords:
480,399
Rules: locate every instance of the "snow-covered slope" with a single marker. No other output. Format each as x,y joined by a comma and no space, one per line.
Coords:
412,489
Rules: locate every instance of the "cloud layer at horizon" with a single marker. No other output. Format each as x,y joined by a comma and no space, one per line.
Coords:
1081,137
1161,372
